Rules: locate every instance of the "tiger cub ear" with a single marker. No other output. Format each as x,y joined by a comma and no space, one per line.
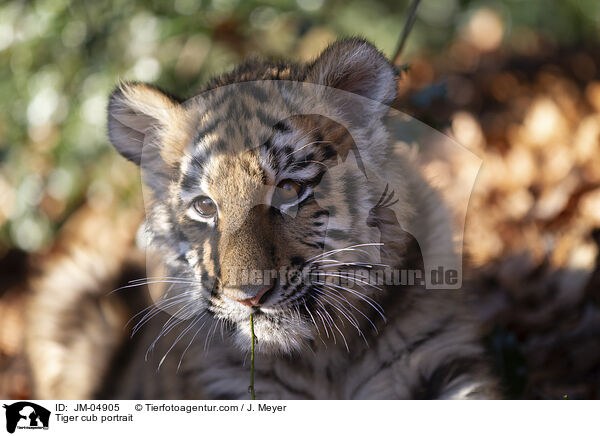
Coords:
136,110
356,66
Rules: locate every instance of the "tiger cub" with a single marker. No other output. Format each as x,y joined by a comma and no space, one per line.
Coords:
285,169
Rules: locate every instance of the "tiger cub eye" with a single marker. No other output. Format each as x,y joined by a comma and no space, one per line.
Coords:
205,207
289,190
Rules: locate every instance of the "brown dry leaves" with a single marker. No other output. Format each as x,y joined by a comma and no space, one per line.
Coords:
531,234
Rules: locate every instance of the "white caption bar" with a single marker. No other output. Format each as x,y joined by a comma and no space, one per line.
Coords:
298,417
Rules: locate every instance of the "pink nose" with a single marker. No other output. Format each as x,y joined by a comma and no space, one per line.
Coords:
255,301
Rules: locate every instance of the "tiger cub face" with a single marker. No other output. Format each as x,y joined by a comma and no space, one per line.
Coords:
250,185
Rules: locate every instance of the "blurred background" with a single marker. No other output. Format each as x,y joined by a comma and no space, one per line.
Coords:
515,81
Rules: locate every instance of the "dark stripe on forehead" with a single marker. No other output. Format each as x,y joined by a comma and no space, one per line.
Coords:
275,155
206,129
256,92
215,98
298,158
267,119
281,126
238,110
230,96
195,170
231,130
201,155
189,181
267,149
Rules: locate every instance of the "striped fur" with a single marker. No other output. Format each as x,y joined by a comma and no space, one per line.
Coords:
314,340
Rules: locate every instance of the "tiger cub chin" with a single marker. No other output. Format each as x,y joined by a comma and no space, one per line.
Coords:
286,174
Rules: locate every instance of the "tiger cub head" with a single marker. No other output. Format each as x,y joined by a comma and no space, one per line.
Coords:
260,178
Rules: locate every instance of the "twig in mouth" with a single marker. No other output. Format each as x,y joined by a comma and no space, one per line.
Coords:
251,387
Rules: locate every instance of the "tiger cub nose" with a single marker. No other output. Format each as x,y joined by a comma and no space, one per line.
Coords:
259,298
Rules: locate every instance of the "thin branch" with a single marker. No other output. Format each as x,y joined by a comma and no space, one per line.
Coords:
251,387
410,19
